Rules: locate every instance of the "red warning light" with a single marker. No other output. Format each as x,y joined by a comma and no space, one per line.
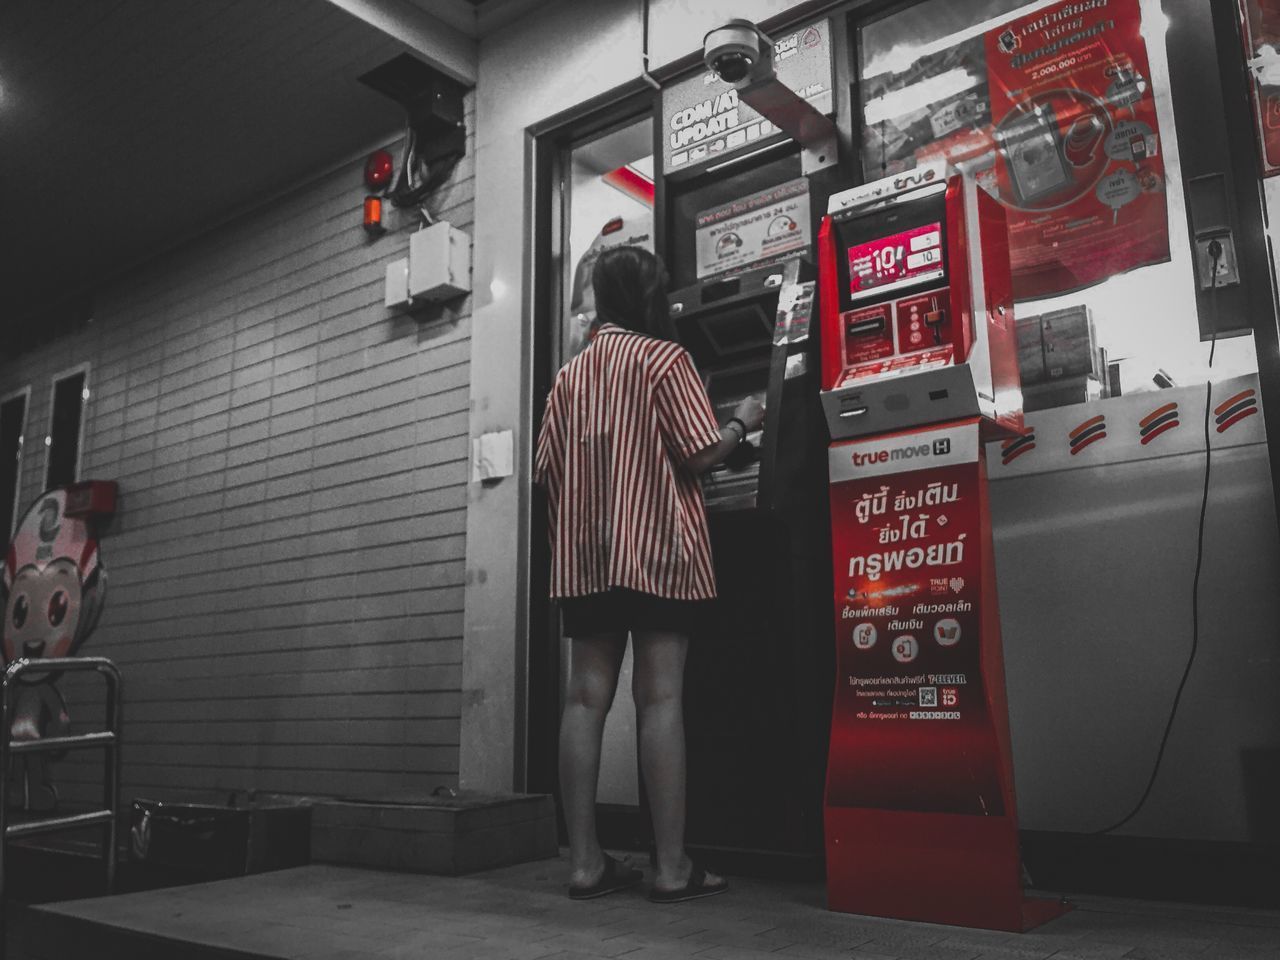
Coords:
378,169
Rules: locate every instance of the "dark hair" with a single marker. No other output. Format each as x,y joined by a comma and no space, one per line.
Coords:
630,290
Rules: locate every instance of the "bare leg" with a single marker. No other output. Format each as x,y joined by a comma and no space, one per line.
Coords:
593,679
659,694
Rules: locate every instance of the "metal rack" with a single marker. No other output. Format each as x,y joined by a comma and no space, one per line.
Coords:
107,740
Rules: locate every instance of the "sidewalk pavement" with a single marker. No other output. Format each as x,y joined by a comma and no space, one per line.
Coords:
522,913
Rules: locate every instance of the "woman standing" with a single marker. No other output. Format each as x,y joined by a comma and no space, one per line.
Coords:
627,431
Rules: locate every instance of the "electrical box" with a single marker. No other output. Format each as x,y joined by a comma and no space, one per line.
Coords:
439,263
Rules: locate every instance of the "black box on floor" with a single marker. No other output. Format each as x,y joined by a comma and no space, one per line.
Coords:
215,841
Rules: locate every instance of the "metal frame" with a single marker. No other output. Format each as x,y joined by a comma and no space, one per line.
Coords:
107,740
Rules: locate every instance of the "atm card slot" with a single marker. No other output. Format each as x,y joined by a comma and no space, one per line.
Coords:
858,328
852,406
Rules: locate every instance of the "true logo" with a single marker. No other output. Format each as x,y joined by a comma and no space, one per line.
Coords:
942,447
916,178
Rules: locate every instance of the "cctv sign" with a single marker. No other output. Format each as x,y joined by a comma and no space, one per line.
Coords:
704,122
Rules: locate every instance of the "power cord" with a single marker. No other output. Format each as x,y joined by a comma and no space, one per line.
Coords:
1215,254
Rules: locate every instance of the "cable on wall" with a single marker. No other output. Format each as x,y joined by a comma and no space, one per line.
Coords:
1215,253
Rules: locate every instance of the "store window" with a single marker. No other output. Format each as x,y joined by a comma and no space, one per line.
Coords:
1065,116
13,420
66,428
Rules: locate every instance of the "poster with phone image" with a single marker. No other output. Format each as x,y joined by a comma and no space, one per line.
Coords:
1077,152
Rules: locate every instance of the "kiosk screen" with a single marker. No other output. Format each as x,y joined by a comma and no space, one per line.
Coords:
898,260
895,248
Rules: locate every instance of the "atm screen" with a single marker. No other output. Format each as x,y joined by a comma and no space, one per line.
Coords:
896,260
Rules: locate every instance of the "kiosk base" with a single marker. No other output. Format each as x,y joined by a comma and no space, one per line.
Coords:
935,868
920,815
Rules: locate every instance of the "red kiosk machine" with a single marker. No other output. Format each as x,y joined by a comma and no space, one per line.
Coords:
919,367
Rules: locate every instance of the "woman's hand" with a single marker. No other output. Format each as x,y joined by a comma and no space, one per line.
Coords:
751,412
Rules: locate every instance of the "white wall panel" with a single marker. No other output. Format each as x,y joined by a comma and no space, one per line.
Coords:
286,569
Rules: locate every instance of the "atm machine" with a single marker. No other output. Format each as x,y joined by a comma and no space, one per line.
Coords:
919,368
739,247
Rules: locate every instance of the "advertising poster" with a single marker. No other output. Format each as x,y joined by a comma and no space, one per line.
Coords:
1262,41
753,231
911,729
1055,115
1078,159
704,121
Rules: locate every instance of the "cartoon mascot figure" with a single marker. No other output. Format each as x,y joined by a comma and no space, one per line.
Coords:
52,593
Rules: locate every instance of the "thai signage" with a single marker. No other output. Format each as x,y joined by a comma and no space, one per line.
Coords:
907,547
753,231
1078,154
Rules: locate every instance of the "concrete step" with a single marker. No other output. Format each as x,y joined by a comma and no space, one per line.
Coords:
448,835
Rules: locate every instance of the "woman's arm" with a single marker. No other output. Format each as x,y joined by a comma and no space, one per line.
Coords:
747,417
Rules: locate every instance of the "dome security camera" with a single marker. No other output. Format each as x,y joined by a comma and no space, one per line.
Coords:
732,50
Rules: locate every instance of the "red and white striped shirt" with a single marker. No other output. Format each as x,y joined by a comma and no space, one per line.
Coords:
622,418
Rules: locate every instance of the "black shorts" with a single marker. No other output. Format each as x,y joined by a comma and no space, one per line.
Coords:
620,611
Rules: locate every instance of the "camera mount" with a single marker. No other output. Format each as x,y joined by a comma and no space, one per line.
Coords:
740,54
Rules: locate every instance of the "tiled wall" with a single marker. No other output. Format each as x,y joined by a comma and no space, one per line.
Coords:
286,569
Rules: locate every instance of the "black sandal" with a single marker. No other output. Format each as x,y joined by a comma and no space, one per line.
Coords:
696,888
617,876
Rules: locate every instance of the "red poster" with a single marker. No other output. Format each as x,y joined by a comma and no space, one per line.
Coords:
1261,20
910,702
920,817
1078,151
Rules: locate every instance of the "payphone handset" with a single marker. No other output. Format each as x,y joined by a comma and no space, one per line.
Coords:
917,306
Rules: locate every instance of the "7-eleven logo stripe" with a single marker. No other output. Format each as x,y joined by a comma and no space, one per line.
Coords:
1091,431
1158,421
1234,409
1011,450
